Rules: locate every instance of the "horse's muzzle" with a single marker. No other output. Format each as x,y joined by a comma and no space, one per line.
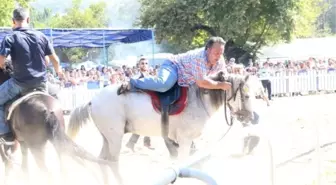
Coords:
245,116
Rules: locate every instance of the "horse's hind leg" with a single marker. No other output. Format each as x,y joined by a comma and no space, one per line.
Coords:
63,169
114,148
114,143
39,155
105,154
24,163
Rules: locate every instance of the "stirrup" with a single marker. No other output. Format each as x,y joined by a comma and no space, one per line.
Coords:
4,142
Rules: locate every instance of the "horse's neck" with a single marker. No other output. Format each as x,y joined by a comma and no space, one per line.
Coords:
197,100
234,80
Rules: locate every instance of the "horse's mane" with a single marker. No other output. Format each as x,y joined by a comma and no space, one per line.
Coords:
217,96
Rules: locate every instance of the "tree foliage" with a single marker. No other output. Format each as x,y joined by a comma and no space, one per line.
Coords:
187,23
74,17
40,19
306,18
327,20
6,10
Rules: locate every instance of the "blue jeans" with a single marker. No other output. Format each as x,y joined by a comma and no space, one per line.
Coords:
165,79
8,91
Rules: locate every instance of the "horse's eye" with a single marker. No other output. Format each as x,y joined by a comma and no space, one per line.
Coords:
247,96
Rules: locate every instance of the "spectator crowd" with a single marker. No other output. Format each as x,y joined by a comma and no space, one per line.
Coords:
103,76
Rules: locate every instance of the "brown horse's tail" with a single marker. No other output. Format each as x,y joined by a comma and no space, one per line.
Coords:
63,143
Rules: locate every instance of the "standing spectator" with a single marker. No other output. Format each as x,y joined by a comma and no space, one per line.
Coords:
129,72
105,77
250,68
265,73
114,77
230,64
143,72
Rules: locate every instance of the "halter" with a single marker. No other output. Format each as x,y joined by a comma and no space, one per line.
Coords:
234,96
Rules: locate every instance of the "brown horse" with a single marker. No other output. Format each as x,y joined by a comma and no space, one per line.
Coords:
35,117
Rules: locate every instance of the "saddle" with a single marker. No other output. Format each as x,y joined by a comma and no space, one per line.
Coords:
172,101
169,103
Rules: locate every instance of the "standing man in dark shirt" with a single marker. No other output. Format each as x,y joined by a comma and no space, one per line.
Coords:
28,50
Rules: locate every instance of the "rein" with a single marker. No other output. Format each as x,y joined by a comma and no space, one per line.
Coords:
234,96
225,112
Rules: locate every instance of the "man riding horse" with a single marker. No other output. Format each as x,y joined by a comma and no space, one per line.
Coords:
28,49
186,69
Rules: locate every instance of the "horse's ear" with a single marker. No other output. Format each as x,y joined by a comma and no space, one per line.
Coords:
220,73
220,76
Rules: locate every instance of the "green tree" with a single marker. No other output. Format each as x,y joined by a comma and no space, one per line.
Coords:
74,17
327,20
6,10
40,19
306,18
187,23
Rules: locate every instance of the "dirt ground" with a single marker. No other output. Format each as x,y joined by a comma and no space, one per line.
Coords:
301,131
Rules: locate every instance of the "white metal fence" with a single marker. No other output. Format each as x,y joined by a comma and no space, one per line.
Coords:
283,83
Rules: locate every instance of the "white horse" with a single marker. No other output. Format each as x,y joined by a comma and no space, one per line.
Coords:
116,115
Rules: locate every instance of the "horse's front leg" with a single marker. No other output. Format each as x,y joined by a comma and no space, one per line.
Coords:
172,147
184,148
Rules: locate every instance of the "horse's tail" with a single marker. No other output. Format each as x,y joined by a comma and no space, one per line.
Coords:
63,143
78,118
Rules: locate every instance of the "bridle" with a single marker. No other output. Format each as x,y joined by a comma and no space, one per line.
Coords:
234,96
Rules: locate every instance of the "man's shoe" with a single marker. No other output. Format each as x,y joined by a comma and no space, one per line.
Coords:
130,146
147,145
125,87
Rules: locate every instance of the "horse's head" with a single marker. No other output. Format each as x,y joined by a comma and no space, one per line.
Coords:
238,98
5,72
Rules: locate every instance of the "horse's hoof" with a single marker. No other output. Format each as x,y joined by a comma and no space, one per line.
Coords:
149,147
130,146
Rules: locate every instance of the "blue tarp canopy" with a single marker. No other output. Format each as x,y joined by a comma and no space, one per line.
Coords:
90,38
